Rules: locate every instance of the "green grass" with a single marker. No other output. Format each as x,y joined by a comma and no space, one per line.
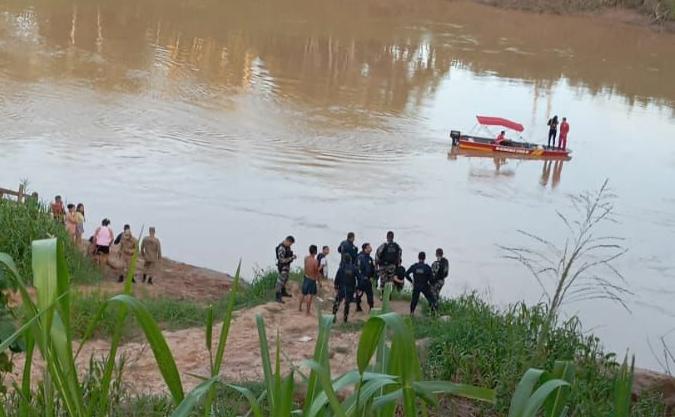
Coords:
20,224
170,314
484,346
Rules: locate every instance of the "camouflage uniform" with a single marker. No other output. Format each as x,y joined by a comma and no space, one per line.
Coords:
128,245
284,259
440,269
151,250
388,257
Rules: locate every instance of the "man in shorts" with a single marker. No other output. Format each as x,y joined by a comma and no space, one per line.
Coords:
151,250
312,274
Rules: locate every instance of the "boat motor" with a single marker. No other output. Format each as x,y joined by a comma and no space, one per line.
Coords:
455,135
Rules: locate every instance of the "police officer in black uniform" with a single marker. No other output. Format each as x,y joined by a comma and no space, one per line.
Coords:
388,257
285,257
366,268
345,286
422,277
441,268
347,247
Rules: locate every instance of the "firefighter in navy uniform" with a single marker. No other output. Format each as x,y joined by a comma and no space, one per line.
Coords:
422,277
346,279
388,257
441,269
285,257
366,268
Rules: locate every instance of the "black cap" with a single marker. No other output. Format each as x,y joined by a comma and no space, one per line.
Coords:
290,238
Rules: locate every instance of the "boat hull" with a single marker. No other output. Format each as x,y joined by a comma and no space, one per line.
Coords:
479,146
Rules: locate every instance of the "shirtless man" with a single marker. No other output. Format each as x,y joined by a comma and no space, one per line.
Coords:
312,275
151,250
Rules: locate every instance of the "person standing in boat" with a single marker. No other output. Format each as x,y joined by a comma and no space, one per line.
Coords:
564,130
552,131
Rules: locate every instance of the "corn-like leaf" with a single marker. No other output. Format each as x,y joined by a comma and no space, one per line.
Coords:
555,404
327,385
459,390
370,336
163,356
536,401
193,398
524,391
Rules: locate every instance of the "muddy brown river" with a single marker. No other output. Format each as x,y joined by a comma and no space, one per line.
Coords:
228,125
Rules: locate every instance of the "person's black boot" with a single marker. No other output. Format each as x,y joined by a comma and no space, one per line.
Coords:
358,308
144,278
133,280
285,293
149,280
120,279
279,299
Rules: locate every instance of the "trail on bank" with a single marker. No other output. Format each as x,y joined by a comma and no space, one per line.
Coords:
297,332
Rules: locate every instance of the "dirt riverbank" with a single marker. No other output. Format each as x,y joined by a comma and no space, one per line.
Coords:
654,14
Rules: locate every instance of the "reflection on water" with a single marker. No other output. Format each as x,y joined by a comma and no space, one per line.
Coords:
546,173
228,125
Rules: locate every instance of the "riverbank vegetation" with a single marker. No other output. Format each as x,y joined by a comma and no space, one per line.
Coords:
658,11
22,223
479,360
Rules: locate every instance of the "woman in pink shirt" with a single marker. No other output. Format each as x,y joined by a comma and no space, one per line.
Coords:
103,238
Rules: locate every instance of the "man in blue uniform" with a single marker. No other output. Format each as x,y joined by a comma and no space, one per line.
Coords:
345,286
347,247
422,277
366,268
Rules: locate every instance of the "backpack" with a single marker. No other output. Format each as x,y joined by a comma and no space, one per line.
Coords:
390,253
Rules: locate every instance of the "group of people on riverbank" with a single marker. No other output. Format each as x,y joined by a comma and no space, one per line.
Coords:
103,239
359,271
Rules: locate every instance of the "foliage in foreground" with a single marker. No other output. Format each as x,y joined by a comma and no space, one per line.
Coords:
484,346
21,224
387,381
380,387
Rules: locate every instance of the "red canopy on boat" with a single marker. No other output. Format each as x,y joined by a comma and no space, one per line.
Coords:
498,121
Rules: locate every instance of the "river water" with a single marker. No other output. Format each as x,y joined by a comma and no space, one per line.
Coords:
228,125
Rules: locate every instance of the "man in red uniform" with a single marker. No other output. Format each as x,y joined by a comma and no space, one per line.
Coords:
564,129
501,138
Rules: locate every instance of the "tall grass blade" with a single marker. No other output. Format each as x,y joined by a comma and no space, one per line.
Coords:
623,386
160,349
266,364
321,352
